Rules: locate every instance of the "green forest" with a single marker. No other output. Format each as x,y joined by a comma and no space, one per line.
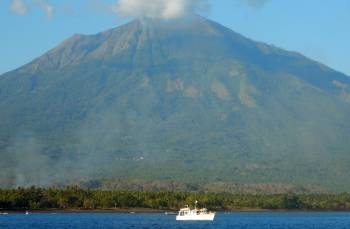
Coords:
34,198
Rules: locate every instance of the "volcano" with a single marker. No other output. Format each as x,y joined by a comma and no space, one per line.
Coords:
185,100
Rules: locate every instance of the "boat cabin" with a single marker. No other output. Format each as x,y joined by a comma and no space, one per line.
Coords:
184,211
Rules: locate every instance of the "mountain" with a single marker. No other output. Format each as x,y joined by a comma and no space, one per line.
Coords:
183,100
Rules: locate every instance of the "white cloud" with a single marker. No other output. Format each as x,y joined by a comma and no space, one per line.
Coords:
19,7
257,4
46,7
166,9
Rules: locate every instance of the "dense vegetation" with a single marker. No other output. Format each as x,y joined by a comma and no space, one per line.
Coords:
75,198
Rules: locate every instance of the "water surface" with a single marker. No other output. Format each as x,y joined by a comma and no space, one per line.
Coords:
138,220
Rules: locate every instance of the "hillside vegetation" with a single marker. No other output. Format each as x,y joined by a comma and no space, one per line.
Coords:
73,198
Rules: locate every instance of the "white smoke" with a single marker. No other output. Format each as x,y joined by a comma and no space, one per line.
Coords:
165,9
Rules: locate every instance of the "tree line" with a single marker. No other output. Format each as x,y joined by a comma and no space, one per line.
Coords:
35,198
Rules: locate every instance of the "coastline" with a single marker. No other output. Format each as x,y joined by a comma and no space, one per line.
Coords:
77,210
149,210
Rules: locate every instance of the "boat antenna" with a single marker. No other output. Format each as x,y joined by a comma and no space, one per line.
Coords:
195,200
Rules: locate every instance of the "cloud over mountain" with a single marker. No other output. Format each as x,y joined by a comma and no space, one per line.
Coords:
19,7
257,4
165,9
22,7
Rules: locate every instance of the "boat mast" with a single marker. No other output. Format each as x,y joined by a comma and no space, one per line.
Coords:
195,200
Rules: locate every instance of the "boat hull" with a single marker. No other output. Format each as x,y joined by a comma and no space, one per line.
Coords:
204,217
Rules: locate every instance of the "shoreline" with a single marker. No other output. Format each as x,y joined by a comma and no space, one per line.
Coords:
171,211
77,210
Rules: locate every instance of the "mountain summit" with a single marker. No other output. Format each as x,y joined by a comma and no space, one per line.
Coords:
179,100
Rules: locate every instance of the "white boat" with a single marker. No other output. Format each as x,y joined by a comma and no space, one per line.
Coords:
195,214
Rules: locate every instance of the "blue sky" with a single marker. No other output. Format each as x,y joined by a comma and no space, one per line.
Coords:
319,29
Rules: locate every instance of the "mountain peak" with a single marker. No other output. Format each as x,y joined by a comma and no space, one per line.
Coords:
194,32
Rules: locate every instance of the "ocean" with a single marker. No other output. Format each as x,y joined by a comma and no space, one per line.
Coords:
294,220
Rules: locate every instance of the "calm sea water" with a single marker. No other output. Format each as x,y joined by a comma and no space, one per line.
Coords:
232,220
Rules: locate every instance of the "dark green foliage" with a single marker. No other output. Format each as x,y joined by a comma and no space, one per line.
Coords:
192,102
76,198
291,201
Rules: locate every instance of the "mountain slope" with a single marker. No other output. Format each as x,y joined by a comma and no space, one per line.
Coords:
186,100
